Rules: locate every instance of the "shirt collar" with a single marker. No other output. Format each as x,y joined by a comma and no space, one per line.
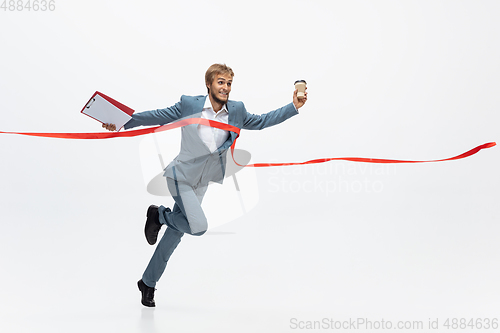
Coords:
208,105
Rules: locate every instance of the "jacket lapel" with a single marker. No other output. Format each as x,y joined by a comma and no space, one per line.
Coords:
231,109
198,105
232,116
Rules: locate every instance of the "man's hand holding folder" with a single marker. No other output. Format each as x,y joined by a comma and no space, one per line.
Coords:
109,127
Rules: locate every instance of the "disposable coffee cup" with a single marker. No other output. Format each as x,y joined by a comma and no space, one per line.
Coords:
300,85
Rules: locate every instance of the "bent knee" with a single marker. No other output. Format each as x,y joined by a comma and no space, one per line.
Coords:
198,228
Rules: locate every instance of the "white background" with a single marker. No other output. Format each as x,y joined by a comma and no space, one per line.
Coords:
386,79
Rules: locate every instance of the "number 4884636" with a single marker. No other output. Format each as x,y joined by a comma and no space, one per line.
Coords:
29,5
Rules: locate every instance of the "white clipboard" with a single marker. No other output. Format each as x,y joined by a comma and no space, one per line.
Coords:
107,110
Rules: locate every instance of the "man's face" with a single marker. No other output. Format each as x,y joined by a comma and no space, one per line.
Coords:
221,87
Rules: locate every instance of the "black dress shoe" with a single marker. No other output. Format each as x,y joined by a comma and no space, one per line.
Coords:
153,224
148,294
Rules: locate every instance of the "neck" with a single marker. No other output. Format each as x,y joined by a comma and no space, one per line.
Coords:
216,104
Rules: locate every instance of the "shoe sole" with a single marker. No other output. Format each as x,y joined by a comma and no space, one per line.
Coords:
150,210
148,214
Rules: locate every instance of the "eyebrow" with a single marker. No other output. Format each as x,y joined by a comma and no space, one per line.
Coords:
223,79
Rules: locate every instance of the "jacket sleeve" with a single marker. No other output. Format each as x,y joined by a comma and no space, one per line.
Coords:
155,117
258,122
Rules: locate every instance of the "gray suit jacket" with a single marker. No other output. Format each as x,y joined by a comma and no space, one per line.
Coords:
195,164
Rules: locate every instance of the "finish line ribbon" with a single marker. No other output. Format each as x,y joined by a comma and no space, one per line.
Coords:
227,127
374,160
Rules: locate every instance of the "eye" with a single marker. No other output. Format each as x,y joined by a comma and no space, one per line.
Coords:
220,82
229,84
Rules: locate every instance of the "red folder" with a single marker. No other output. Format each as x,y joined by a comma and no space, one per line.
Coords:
107,110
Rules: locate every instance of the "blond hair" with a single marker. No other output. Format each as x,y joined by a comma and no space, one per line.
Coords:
217,69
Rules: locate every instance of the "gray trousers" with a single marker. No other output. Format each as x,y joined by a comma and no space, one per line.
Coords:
186,216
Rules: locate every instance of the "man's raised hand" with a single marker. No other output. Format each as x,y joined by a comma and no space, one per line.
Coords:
299,102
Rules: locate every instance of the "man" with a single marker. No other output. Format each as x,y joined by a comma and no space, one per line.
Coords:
202,159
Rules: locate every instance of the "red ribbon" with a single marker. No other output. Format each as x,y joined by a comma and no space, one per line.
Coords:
374,160
227,127
128,134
